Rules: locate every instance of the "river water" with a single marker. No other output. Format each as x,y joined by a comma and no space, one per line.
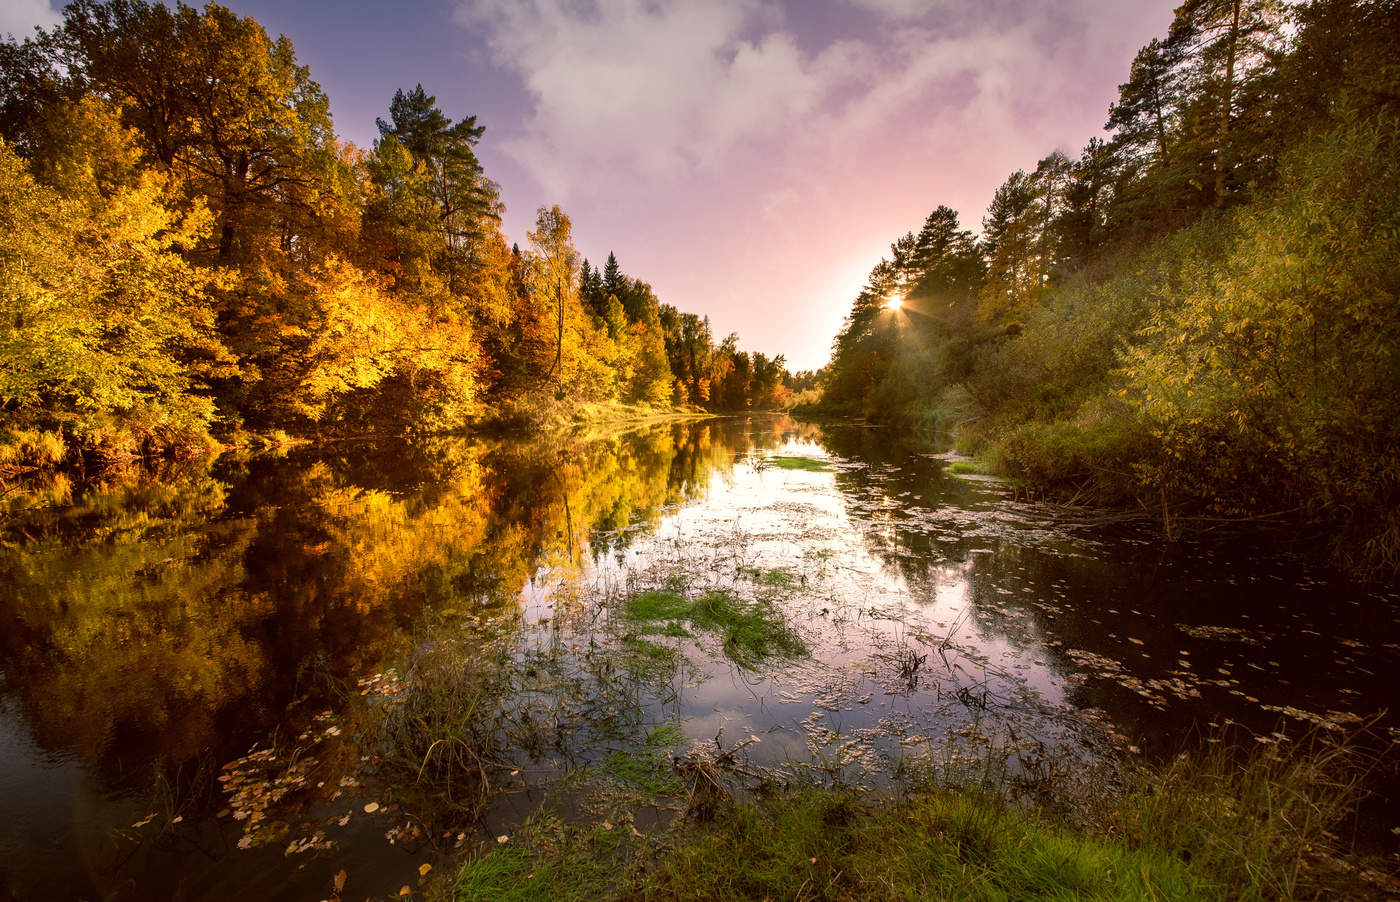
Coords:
198,663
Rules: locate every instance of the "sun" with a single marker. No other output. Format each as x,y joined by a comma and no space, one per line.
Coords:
894,303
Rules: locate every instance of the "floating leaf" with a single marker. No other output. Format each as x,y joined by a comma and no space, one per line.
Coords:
423,869
371,808
338,882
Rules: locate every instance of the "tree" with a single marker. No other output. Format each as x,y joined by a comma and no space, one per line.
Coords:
446,171
1011,237
221,103
106,329
1224,44
1144,118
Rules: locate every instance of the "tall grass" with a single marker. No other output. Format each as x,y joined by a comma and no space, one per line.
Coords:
1210,825
1265,827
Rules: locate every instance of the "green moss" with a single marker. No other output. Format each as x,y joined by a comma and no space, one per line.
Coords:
648,769
749,631
800,463
657,604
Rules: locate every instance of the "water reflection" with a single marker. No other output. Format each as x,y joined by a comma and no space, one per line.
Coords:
155,626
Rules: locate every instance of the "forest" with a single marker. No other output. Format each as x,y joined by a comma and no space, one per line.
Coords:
1200,314
191,257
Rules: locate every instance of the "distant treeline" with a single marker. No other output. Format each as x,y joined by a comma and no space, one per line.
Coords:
1200,314
188,249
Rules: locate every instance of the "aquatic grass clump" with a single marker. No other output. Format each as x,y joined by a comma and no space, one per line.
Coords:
808,464
749,631
650,770
657,604
441,739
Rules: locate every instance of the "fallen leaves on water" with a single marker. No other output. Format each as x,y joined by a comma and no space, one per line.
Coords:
423,869
338,882
371,808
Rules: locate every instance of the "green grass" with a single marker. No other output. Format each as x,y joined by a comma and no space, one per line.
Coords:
773,579
1214,825
548,861
658,604
749,631
941,846
809,464
814,845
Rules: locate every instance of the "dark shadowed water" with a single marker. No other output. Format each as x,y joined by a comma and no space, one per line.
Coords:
192,659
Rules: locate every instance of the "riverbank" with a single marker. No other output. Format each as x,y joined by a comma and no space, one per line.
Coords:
1204,827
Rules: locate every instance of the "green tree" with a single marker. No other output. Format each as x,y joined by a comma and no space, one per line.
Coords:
461,204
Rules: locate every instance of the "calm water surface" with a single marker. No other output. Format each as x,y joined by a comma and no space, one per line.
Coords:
173,645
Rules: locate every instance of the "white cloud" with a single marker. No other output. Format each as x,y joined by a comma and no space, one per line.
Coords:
757,145
659,89
655,90
18,17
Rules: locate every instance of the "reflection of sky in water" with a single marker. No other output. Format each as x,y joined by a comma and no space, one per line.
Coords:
900,656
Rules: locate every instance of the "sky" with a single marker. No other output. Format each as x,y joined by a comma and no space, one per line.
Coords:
751,159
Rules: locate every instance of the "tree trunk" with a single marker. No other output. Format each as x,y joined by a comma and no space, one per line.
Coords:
1222,150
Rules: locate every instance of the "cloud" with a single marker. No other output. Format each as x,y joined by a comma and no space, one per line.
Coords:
774,141
657,88
897,9
18,17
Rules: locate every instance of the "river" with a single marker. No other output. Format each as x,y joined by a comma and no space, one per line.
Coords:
207,668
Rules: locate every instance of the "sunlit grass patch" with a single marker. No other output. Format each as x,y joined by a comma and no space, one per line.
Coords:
549,860
749,631
657,604
789,462
940,846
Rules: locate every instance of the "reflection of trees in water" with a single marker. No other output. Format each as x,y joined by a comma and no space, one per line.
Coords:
124,618
162,619
1115,597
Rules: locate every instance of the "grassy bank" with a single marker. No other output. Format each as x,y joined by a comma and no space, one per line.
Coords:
1204,827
